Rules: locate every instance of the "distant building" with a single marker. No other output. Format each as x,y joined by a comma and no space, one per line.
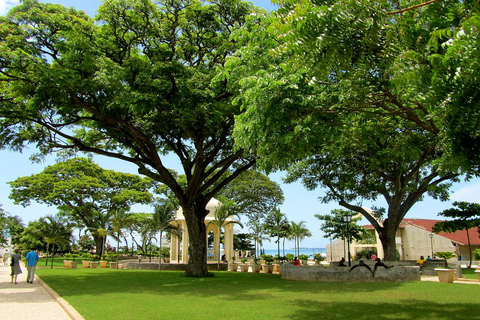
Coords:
414,238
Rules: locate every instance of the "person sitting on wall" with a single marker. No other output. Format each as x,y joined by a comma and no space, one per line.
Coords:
342,262
361,263
296,262
421,262
379,263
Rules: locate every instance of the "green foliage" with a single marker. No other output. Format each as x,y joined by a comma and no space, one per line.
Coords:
343,96
334,227
254,193
86,256
278,226
445,256
141,81
303,257
146,288
86,243
476,254
318,257
365,253
290,256
466,216
83,191
267,258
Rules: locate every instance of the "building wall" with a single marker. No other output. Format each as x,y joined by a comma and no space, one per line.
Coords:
412,242
416,242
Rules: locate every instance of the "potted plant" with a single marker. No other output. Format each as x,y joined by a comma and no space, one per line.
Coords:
68,262
445,275
303,258
104,261
233,265
94,261
74,263
86,259
256,267
244,265
112,257
267,267
318,258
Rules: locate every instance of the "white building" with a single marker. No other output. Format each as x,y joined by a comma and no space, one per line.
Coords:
414,238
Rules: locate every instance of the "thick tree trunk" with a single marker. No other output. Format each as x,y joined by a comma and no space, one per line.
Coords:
99,245
197,231
387,237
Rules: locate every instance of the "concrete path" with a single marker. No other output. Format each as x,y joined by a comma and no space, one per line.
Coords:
28,301
458,280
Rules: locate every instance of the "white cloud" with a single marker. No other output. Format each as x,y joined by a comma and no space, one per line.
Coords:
469,193
6,5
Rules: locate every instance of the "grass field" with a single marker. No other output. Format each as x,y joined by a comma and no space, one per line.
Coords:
135,294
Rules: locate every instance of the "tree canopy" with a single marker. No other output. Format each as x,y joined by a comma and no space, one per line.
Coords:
83,191
253,193
139,82
464,217
347,96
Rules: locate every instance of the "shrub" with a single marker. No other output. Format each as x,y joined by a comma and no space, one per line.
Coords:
476,254
303,257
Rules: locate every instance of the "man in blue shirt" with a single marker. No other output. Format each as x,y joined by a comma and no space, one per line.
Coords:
32,259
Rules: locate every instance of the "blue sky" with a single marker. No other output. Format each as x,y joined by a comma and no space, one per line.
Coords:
299,204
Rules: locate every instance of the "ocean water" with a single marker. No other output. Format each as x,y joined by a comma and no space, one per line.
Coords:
308,251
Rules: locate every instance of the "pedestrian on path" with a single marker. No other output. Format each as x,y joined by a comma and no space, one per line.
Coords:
15,265
32,259
6,255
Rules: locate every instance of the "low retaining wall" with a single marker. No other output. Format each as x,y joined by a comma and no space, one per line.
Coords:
168,266
342,274
428,268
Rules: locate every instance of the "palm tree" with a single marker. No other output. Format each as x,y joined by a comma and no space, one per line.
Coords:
222,213
299,232
163,215
102,233
56,231
275,223
120,220
257,230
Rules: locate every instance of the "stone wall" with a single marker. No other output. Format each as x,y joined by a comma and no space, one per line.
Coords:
168,266
342,274
428,269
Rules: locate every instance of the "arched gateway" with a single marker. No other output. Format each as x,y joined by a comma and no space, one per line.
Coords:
175,247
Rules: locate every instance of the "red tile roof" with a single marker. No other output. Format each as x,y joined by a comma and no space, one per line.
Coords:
426,224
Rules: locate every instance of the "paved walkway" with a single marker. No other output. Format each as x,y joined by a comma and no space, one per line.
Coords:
461,280
28,301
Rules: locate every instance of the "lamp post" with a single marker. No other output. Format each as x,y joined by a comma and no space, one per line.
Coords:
431,242
331,250
347,218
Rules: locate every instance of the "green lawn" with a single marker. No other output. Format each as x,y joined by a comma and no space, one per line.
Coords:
134,294
469,273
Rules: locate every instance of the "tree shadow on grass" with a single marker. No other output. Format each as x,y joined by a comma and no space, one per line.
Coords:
406,309
252,293
225,284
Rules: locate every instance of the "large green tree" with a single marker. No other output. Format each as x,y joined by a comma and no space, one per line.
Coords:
254,194
465,216
83,191
334,226
418,61
164,213
348,93
277,225
136,84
